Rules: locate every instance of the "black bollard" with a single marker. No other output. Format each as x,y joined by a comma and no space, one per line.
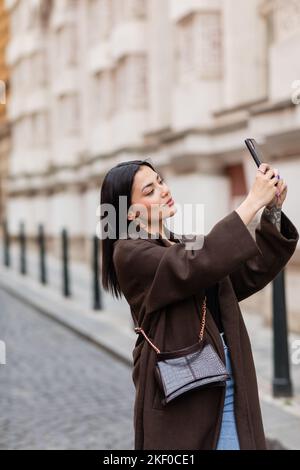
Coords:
65,260
6,244
97,300
42,252
282,385
22,240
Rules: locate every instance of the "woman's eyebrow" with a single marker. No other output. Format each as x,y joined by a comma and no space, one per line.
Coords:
150,184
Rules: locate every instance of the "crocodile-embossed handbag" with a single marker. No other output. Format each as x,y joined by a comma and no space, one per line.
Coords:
183,370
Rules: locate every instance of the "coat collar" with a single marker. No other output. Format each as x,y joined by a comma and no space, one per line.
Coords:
158,238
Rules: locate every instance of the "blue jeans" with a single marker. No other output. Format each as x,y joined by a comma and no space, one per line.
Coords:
228,439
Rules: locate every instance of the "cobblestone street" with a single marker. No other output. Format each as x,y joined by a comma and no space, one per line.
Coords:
59,391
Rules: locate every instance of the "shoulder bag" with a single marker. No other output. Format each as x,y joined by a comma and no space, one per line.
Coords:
197,366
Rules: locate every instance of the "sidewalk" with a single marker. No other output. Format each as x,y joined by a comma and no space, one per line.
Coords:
80,275
111,329
281,416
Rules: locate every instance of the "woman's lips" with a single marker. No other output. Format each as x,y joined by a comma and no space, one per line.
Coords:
170,203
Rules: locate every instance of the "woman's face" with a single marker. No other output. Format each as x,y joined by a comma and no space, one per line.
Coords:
149,197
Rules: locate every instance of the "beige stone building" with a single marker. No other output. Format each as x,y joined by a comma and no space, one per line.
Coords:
4,122
184,82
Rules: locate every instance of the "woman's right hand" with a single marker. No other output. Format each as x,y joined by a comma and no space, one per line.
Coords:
264,187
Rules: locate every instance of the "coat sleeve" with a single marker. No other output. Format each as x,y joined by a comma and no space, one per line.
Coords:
163,275
276,248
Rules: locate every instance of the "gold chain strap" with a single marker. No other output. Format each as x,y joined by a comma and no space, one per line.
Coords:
140,330
203,319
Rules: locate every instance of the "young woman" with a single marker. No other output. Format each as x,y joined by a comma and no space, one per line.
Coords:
165,281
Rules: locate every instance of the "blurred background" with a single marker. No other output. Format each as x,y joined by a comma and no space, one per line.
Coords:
84,85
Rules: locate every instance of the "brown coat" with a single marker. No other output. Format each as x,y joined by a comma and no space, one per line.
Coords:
159,281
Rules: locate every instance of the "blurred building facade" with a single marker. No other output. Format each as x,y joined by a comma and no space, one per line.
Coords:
96,82
4,121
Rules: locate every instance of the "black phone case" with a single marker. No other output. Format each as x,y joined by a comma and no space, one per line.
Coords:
255,152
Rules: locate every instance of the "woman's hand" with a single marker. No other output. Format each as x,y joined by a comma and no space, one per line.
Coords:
267,190
264,189
280,195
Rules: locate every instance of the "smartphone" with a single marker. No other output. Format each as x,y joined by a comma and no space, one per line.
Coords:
255,151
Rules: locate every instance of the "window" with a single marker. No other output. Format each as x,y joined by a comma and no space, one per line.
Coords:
66,45
99,20
68,115
130,82
101,98
199,42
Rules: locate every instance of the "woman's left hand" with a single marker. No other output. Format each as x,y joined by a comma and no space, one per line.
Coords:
280,195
